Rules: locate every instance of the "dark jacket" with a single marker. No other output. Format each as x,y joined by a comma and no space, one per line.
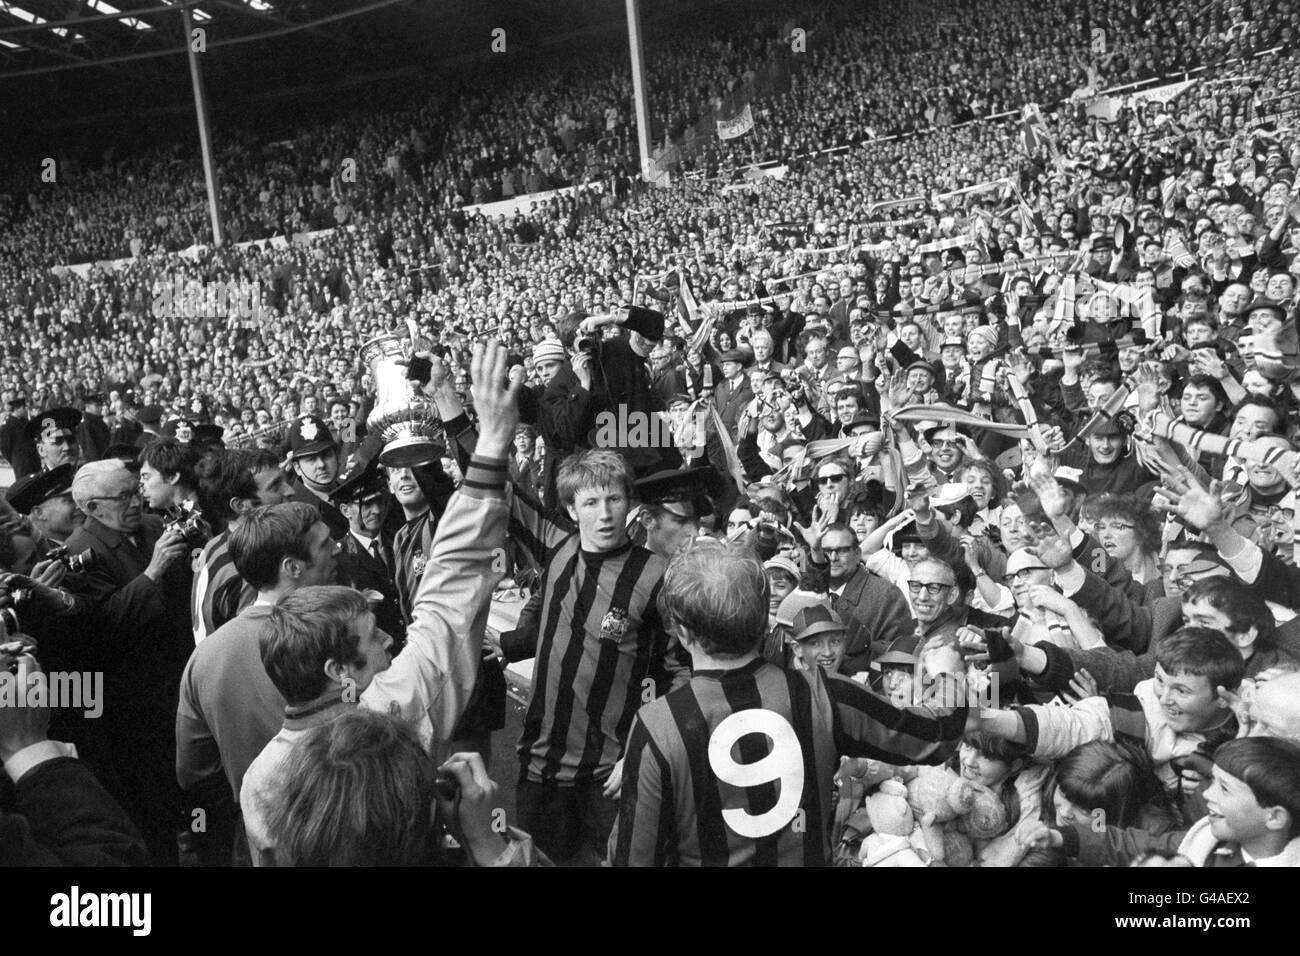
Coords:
360,569
139,634
18,448
329,513
60,815
1125,476
875,611
127,432
94,437
564,414
620,380
731,401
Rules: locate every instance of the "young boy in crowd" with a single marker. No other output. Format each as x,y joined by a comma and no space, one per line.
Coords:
1252,818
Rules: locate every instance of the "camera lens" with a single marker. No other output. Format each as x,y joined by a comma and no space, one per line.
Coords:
446,785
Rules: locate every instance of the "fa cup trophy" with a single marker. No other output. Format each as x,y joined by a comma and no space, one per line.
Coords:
407,422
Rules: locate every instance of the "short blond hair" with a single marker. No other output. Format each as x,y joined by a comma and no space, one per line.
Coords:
597,468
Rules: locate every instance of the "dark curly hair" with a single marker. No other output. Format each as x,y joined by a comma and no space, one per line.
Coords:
1133,510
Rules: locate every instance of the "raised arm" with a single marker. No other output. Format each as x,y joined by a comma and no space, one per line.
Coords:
430,682
867,725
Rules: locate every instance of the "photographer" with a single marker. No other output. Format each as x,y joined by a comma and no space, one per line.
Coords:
168,481
56,813
38,607
228,489
617,376
137,590
560,407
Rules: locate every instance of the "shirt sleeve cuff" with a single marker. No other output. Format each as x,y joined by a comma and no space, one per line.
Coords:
485,477
1070,580
1247,562
30,757
1030,718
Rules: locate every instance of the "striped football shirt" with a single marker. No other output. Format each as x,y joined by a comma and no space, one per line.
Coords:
218,593
601,651
736,767
411,549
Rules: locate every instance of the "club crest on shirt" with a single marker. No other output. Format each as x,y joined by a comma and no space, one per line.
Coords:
613,626
418,561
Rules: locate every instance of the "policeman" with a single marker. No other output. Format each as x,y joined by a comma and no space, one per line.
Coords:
45,500
672,505
55,433
314,456
365,556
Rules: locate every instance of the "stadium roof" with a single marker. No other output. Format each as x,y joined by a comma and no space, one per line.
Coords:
55,35
64,59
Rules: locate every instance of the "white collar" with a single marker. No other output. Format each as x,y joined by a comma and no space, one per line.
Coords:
1290,856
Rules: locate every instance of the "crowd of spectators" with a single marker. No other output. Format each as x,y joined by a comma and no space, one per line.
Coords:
1000,407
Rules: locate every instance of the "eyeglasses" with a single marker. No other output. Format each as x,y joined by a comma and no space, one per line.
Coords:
1021,575
122,499
945,443
932,588
1113,526
831,479
839,552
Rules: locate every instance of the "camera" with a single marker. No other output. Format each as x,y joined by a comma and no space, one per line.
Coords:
77,563
447,786
585,344
190,526
9,622
10,651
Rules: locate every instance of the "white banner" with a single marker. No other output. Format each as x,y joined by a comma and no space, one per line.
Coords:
739,126
1159,94
939,245
977,188
756,173
1105,107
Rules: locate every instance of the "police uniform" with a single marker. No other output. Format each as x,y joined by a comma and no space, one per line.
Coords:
368,566
18,448
93,435
47,426
309,435
684,492
29,492
150,417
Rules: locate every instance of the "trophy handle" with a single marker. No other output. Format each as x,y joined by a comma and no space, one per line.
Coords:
414,342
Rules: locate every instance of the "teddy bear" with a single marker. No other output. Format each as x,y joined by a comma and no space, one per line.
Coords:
894,839
952,813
